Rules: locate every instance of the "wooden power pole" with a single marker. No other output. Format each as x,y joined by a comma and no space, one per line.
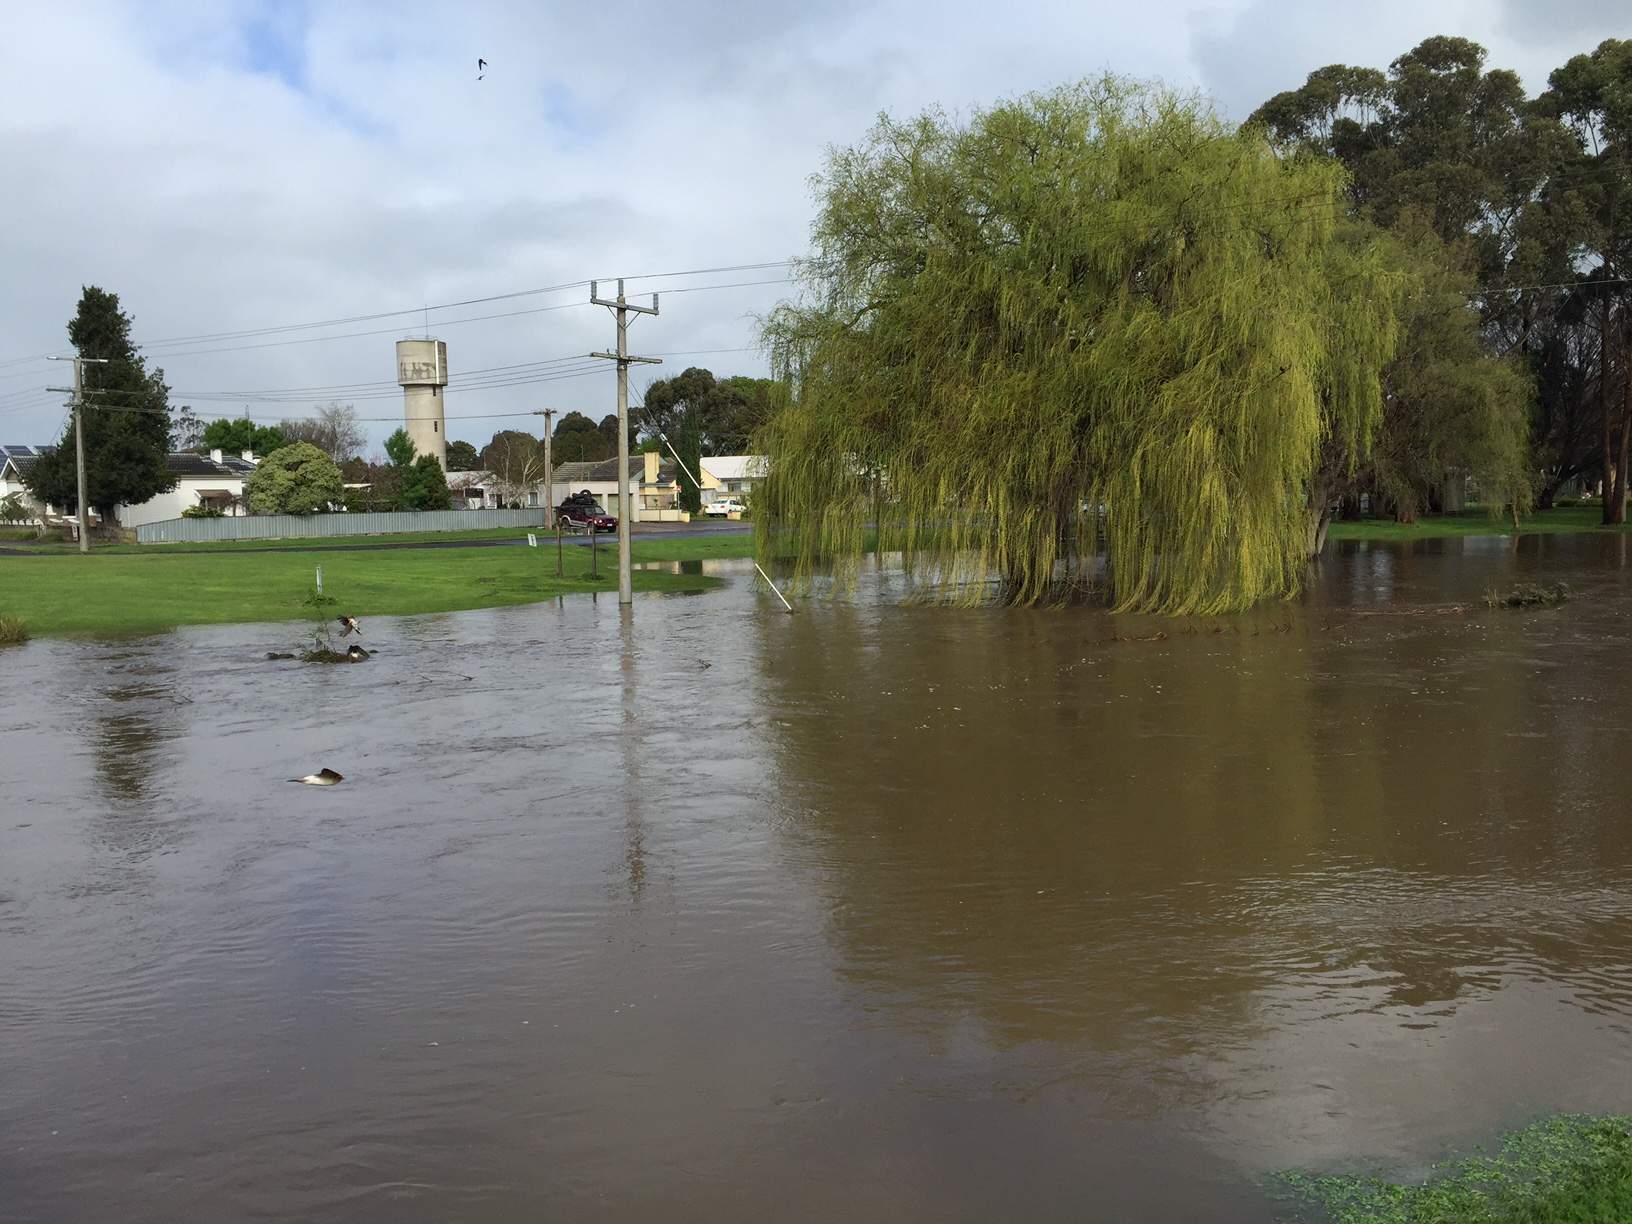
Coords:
549,468
622,309
78,392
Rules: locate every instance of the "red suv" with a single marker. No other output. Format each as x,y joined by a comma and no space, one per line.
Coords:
582,511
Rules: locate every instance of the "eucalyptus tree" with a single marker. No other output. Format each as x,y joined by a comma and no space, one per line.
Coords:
1592,94
1437,135
1451,410
1439,147
1098,296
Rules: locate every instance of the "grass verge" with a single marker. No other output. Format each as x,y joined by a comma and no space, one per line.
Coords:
54,544
1475,523
1566,1170
111,592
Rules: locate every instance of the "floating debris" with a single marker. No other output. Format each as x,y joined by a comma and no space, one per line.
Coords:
353,654
1529,595
1425,610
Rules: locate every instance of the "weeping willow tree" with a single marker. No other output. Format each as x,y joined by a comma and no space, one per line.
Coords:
1097,297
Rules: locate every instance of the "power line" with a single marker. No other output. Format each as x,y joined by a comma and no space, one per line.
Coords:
168,342
386,331
470,377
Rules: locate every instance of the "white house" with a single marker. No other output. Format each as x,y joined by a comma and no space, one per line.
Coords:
14,461
485,491
652,490
736,476
214,481
473,490
654,483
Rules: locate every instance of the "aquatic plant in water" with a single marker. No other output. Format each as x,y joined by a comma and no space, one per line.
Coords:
13,632
1529,595
1571,1169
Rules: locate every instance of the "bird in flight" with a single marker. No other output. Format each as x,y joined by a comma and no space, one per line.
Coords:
348,625
323,777
481,67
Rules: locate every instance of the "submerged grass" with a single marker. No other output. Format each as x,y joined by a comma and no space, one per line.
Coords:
120,593
1571,1169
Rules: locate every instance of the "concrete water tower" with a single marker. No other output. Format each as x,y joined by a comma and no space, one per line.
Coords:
422,369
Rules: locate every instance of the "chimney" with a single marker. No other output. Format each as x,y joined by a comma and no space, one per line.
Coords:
651,467
215,455
249,456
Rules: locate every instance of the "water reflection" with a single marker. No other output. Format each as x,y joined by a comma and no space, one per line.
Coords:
1172,850
629,739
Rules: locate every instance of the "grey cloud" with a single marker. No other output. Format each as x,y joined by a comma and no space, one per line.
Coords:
148,156
1578,25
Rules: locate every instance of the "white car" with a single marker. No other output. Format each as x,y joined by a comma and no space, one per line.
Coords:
723,507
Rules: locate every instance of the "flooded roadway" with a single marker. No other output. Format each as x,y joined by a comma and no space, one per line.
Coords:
874,912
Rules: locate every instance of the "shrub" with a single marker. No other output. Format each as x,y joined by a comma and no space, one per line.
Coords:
12,631
297,479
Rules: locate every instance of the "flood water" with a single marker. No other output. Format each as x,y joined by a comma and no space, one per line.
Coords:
869,913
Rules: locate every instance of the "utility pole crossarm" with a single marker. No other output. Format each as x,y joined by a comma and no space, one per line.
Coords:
630,360
618,303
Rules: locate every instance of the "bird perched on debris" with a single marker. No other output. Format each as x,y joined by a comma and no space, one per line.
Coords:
323,777
348,624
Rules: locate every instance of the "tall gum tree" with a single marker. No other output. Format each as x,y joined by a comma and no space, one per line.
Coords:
1449,157
1592,94
1101,296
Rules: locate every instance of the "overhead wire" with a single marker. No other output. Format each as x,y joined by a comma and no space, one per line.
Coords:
1569,175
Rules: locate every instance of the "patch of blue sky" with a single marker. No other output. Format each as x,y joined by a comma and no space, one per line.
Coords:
275,41
576,126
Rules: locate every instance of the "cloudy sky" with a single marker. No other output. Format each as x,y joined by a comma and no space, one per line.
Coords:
240,166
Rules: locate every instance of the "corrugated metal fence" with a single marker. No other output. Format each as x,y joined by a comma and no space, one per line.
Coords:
300,526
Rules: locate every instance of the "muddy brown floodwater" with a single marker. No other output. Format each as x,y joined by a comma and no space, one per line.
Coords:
870,913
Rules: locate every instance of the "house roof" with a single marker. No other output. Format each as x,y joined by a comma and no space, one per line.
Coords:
735,467
179,464
21,463
20,458
186,463
606,471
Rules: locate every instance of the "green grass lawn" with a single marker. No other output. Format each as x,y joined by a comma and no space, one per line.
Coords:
1474,523
1566,1170
155,589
